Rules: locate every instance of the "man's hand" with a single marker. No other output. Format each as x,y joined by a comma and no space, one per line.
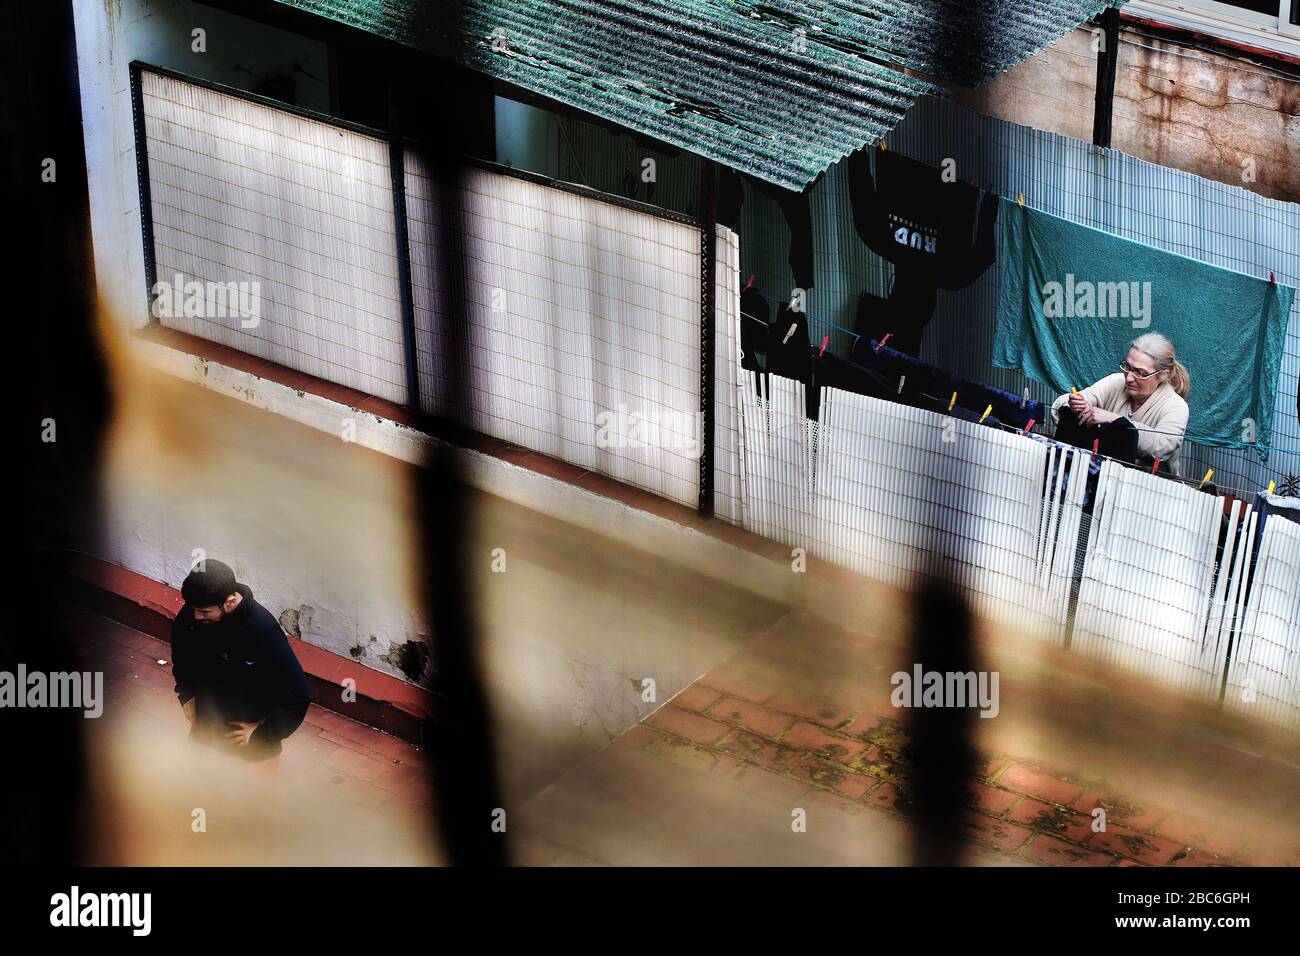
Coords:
241,733
190,709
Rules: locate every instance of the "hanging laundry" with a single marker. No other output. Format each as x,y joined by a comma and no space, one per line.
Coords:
938,233
831,371
795,207
922,377
1116,439
1072,298
788,350
755,317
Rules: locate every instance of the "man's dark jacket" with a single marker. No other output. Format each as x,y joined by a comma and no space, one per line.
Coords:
240,668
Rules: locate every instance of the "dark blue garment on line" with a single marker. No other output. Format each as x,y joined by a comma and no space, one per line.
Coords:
924,377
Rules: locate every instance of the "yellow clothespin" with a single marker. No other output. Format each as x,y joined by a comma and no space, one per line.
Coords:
1073,390
1020,198
1270,488
1206,478
986,414
953,401
883,147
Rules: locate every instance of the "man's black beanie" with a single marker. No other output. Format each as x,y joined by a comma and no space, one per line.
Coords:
210,586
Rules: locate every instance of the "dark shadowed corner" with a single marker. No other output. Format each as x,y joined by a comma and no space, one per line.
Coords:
59,425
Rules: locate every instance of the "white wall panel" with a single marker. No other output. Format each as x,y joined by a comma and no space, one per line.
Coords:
580,312
302,210
1264,679
1144,601
888,490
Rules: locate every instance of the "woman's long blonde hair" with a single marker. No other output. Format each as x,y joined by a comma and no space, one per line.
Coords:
1161,351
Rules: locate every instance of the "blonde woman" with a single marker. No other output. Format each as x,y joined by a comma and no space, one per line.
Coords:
1150,389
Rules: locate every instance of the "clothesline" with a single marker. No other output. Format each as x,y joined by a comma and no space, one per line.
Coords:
1235,492
1187,436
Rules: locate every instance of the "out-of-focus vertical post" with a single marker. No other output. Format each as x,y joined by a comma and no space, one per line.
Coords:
58,428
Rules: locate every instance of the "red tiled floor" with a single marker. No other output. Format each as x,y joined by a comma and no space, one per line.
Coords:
361,765
1033,813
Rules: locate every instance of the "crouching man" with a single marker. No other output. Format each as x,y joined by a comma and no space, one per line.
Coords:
237,679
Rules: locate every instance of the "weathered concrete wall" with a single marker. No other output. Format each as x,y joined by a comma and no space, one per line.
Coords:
1217,114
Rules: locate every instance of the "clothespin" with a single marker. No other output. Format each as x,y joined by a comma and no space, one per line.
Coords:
825,339
1024,399
1206,478
952,401
793,326
1270,488
901,380
1073,390
1272,279
1025,431
1095,443
883,147
1020,198
882,341
1155,466
748,283
986,414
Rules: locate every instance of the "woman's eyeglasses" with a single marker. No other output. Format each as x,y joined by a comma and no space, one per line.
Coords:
1125,367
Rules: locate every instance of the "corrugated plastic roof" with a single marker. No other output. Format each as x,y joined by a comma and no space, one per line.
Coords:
779,89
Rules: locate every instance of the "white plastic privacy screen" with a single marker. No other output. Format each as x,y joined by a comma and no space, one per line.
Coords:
888,490
583,324
290,218
1163,581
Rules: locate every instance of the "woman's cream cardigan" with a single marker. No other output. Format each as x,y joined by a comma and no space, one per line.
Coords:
1163,411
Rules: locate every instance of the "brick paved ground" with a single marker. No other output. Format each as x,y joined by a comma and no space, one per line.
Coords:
353,775
727,759
772,721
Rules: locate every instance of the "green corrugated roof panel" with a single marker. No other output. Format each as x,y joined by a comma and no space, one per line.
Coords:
780,89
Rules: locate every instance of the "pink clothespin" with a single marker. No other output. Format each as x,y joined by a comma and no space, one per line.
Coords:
1155,466
825,339
1272,279
882,341
748,283
1095,443
1027,427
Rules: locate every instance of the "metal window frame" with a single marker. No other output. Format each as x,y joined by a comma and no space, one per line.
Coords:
142,185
